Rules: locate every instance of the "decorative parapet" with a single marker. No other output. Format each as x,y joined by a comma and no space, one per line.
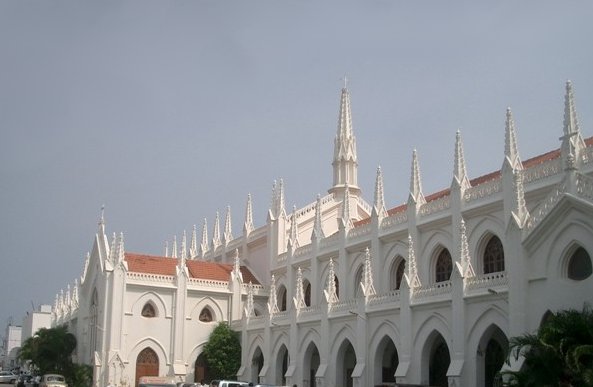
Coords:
543,170
235,243
545,207
257,289
344,305
282,258
584,186
365,206
312,310
385,298
311,207
436,289
483,190
486,281
435,206
330,241
198,282
303,250
395,219
152,278
359,231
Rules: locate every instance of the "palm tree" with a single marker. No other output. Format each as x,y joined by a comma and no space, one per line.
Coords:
559,354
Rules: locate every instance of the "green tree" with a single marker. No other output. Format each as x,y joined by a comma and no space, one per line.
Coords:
223,352
50,351
559,354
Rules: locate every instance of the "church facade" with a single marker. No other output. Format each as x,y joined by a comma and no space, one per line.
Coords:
343,292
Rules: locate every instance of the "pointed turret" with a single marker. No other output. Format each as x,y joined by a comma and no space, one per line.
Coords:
345,163
459,170
416,195
511,151
193,248
277,206
572,141
379,202
204,246
228,232
216,232
317,226
248,225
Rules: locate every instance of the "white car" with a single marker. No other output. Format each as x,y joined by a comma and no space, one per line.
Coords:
7,377
53,380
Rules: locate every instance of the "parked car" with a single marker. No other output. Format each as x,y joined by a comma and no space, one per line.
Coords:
227,383
156,381
53,380
8,377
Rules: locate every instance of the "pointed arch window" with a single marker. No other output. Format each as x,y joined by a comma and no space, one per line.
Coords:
579,265
493,256
206,315
397,273
358,279
307,293
444,266
148,310
282,297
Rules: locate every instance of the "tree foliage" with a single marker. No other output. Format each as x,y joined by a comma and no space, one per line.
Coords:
50,351
559,354
223,352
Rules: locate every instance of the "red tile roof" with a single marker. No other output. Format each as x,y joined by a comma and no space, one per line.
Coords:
142,263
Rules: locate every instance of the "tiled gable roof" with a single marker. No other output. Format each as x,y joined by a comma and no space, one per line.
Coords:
142,263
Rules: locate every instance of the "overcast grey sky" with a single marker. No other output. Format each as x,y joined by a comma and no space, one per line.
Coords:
168,111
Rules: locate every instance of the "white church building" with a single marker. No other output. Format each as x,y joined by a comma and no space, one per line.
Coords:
348,292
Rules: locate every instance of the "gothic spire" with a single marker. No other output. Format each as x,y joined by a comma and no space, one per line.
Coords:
237,266
183,246
174,248
519,207
228,232
204,245
379,202
299,299
368,288
511,151
330,290
317,226
193,248
345,163
413,279
467,269
248,225
416,194
459,170
216,232
572,141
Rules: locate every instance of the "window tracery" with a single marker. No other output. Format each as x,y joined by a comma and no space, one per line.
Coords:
148,310
493,256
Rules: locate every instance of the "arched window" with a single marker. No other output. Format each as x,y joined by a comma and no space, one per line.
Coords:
399,273
579,265
205,315
282,297
357,280
307,293
493,256
148,310
444,266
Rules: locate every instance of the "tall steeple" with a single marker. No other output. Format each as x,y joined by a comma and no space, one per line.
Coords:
345,161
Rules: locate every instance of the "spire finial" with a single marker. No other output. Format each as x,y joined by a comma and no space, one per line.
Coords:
293,240
416,194
330,291
379,204
368,288
345,163
459,170
174,252
345,79
466,264
248,225
216,232
413,279
317,225
299,299
204,245
228,232
272,300
193,248
102,221
510,142
572,141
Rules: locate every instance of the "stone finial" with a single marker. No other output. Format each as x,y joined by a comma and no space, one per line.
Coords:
416,194
250,309
379,202
511,151
113,248
520,211
174,248
293,238
166,248
459,170
248,225
121,252
368,288
467,269
237,266
572,140
204,246
413,278
273,301
216,232
330,291
345,164
183,247
193,248
228,232
299,299
317,224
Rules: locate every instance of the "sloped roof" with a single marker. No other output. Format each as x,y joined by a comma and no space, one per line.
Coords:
151,264
542,158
